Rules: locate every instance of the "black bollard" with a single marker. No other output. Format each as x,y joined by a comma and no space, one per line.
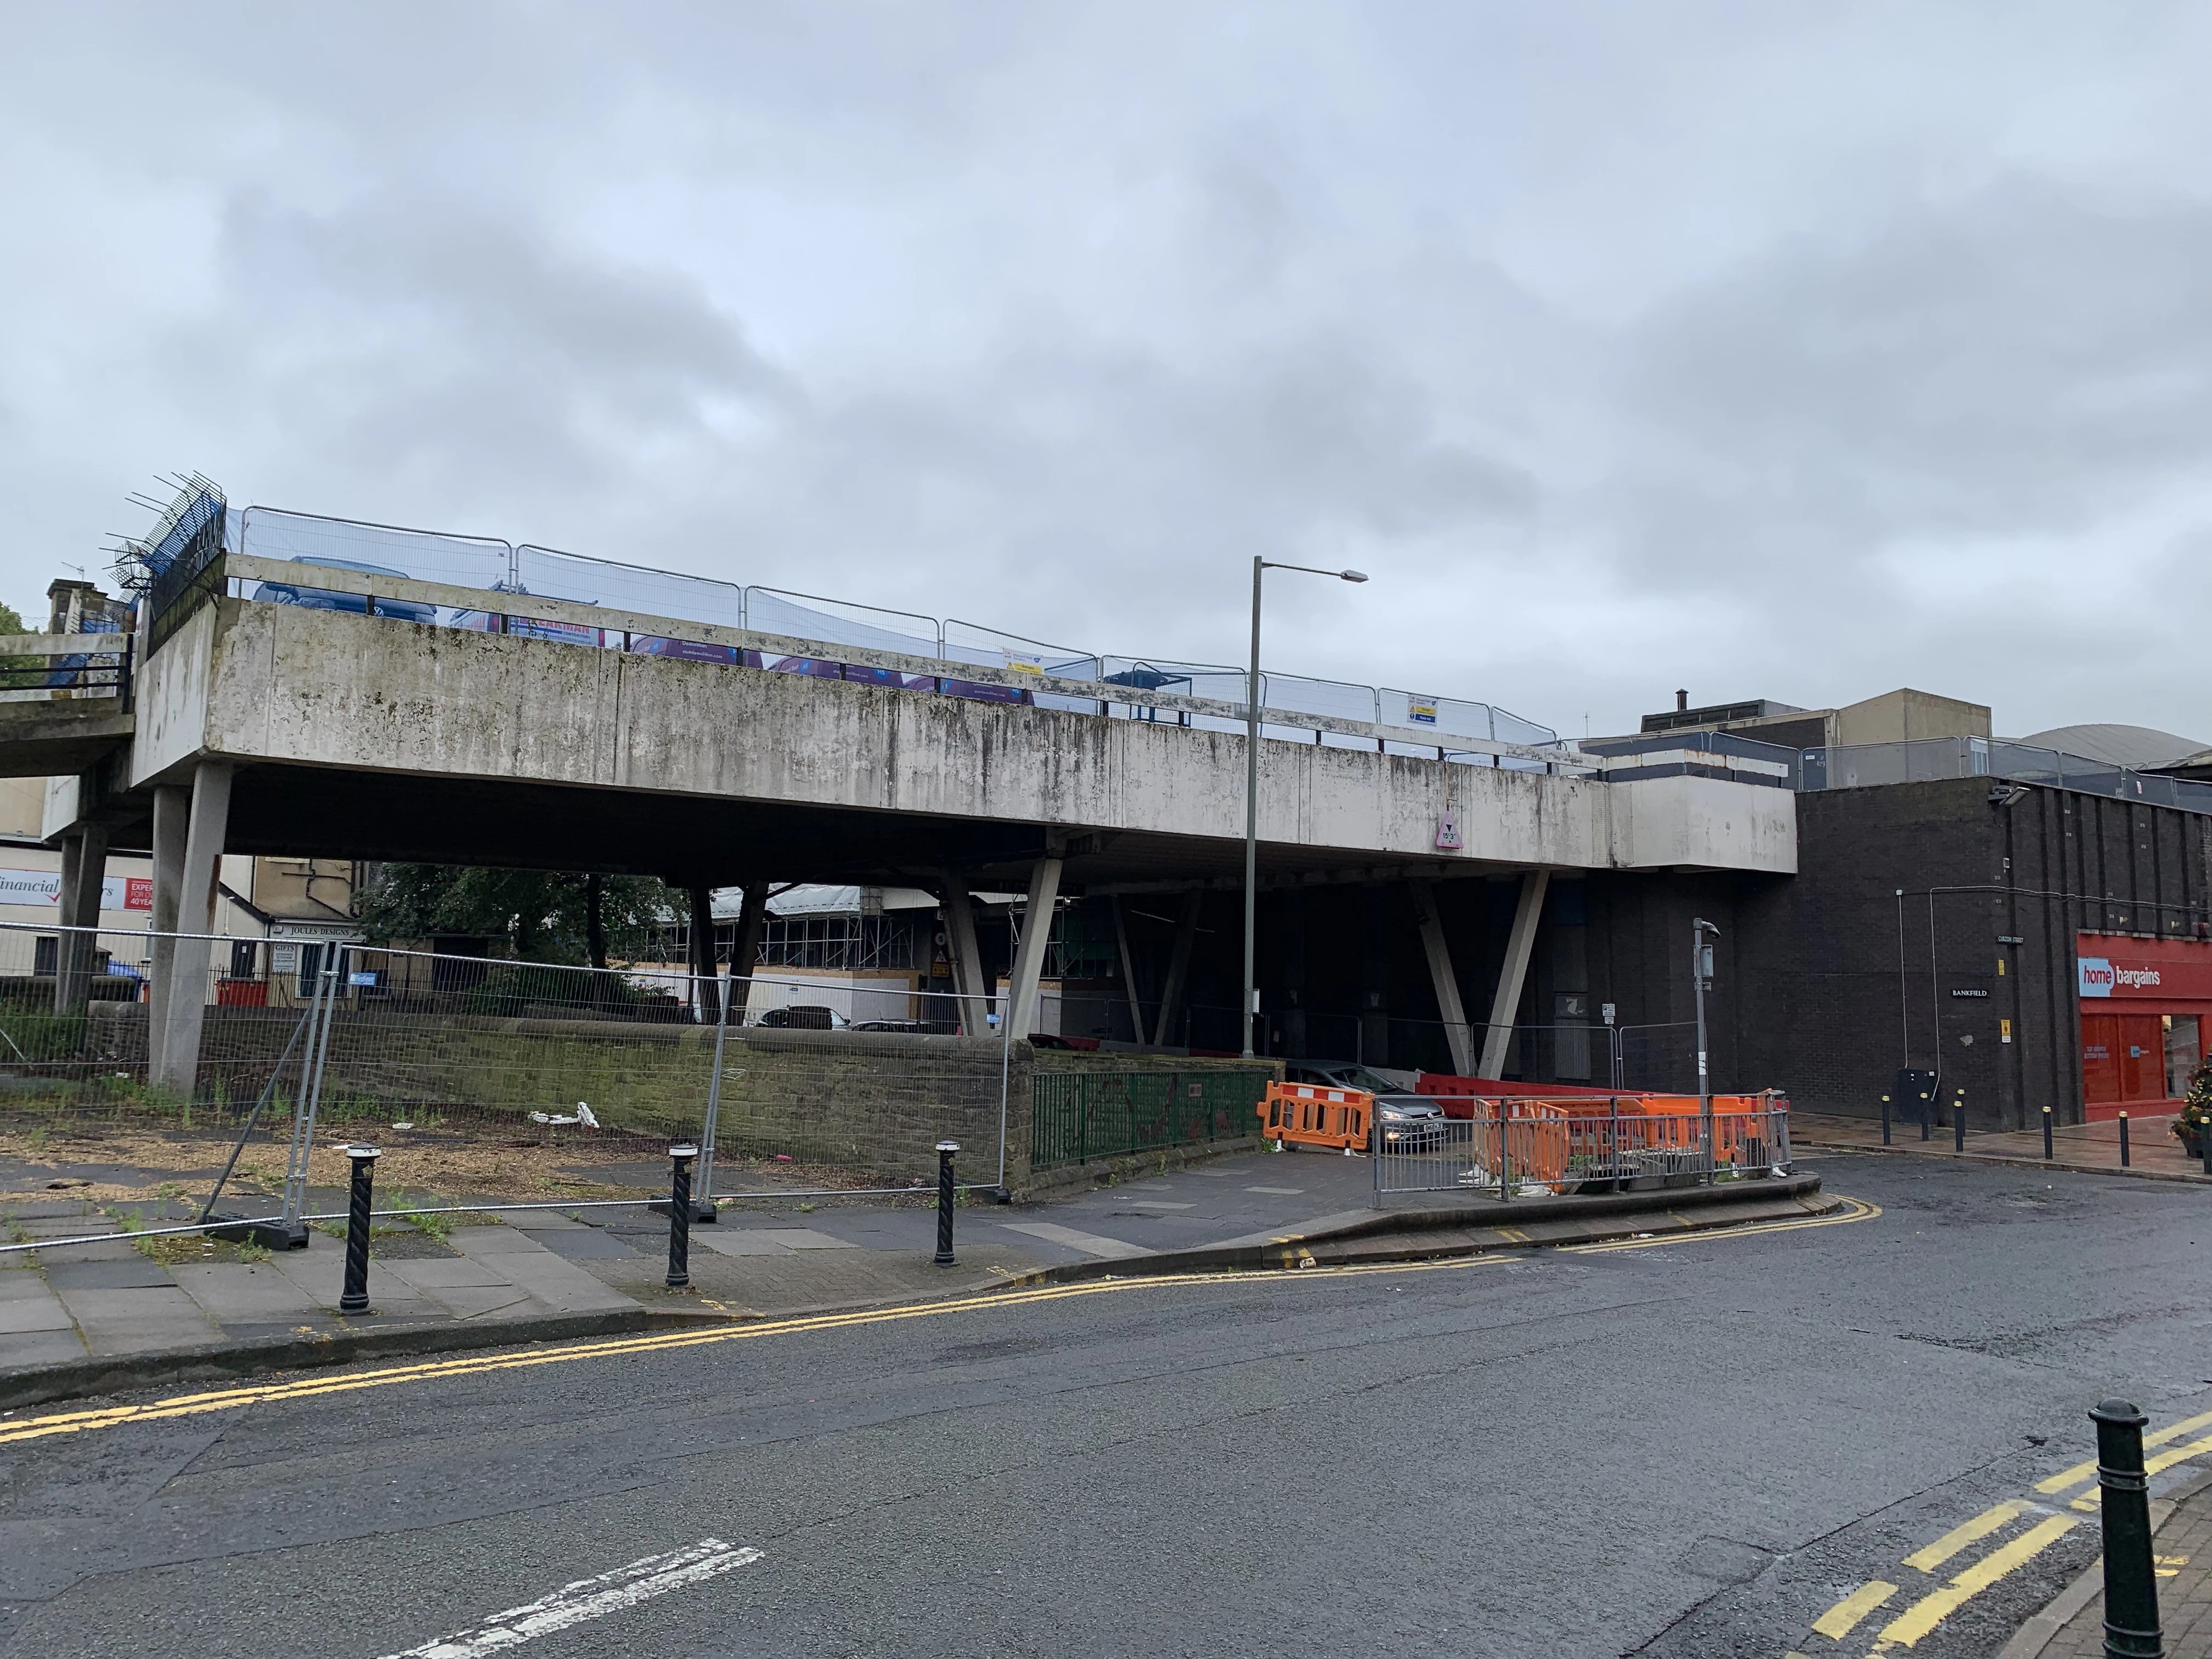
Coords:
679,1216
354,1298
944,1152
2131,1629
2126,1159
2046,1132
1885,1120
1959,1122
2204,1145
1927,1114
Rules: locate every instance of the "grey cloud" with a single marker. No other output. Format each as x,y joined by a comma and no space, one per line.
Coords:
2027,361
438,341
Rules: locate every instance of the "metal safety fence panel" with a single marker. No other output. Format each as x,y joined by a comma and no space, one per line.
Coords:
1511,1149
486,1081
180,580
1082,1115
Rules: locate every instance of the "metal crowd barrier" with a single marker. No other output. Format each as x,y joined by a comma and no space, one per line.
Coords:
1526,1148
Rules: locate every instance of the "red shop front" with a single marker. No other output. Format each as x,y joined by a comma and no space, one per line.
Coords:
2146,1013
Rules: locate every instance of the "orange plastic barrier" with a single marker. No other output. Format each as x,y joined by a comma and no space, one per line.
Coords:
1308,1114
1547,1137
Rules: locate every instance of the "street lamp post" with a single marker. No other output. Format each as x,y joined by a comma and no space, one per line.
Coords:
1251,1008
1701,977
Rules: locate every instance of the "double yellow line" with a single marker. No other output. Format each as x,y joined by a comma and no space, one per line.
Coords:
1923,1615
2081,1473
225,1400
1855,1209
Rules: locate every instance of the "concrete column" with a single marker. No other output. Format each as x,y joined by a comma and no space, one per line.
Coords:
967,957
1171,994
173,806
1519,945
705,991
1128,971
84,872
745,954
1431,921
1029,955
185,1009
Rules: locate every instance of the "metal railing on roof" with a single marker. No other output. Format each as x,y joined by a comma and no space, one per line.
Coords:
1864,765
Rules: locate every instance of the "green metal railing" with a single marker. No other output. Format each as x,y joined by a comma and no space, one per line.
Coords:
1085,1114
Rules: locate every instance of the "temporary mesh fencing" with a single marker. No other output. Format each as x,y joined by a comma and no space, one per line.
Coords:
497,566
486,1080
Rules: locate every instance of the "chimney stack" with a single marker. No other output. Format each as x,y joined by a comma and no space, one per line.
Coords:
1681,702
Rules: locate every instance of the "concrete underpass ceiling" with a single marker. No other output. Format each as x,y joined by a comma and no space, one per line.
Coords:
299,811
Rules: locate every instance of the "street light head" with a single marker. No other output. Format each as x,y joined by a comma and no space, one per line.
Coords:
1353,576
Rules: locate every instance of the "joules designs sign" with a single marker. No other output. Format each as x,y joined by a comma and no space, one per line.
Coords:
2158,969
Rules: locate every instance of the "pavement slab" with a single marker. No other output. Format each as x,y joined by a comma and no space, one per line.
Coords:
432,1276
41,1348
803,1238
1075,1239
120,1272
137,1320
585,1244
229,1292
481,1301
34,1312
562,1286
736,1241
29,1212
492,1241
320,1272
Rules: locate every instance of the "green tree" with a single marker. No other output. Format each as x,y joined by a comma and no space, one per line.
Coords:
542,915
18,679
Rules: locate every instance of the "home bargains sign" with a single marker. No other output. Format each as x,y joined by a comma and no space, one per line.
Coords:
2154,969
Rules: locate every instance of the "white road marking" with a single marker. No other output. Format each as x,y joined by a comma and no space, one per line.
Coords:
1089,1243
1155,1203
588,1599
1285,1192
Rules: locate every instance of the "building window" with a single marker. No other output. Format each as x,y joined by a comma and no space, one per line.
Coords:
2184,1048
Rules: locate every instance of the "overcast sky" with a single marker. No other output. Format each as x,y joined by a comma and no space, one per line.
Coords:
1763,349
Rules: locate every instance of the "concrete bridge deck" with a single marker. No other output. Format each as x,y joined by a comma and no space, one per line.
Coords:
368,736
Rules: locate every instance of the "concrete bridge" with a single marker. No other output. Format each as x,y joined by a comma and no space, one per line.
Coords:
335,727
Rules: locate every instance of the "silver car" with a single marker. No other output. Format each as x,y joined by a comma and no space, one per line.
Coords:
1404,1122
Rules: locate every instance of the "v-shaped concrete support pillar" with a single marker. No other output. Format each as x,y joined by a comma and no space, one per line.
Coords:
1519,944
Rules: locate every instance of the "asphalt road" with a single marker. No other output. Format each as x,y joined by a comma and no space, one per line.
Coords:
1687,1451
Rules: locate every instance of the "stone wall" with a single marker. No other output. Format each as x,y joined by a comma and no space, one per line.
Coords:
868,1104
